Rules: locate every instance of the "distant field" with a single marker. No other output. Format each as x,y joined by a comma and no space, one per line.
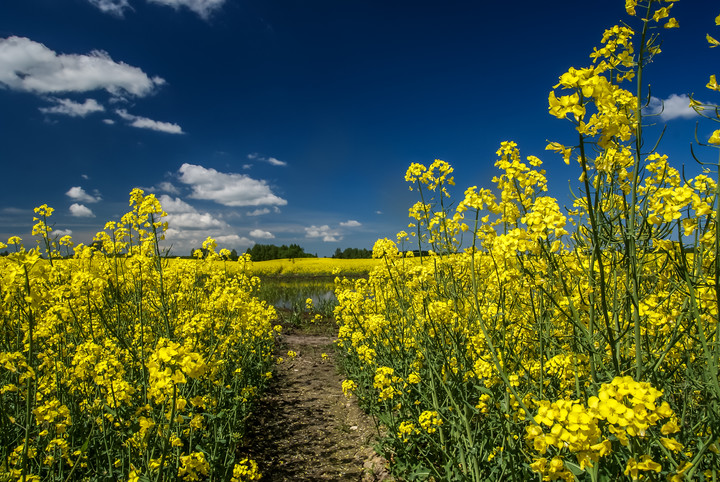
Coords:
312,267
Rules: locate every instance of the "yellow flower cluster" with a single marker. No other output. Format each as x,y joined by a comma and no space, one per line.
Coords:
118,364
623,409
551,343
430,420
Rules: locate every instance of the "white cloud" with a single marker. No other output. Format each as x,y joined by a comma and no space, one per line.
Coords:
80,211
194,221
233,241
30,66
145,123
204,8
78,194
270,160
109,121
183,215
259,233
227,189
188,228
168,187
675,106
328,235
61,232
85,176
175,205
72,108
351,223
113,7
258,212
276,162
183,241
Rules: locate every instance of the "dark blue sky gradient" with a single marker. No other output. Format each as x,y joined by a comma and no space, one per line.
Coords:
346,93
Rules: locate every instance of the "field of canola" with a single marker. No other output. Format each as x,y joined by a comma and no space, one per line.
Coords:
578,345
127,367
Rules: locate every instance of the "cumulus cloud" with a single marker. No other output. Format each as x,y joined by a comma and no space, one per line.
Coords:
182,215
204,8
61,232
109,121
81,211
30,66
113,7
183,241
175,205
194,221
188,227
228,189
328,235
351,223
77,193
258,212
72,108
259,233
145,123
168,187
233,241
674,107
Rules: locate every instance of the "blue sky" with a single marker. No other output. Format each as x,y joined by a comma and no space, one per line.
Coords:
294,122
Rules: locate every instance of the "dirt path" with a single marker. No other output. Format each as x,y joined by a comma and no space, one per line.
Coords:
305,429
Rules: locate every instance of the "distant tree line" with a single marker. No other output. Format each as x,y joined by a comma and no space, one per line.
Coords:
265,252
232,257
352,253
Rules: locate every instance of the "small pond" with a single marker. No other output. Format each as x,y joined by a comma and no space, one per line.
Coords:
288,293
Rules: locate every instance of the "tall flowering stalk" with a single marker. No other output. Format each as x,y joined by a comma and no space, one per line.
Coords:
563,344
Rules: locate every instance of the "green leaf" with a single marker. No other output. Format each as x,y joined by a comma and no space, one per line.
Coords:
574,468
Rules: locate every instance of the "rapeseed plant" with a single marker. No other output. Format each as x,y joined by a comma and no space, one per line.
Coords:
562,344
118,365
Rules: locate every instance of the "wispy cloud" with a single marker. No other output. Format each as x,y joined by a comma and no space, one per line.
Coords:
325,232
113,7
77,193
30,66
228,189
270,160
71,108
145,123
204,8
81,211
674,107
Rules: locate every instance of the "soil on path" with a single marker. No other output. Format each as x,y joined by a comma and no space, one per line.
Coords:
304,429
